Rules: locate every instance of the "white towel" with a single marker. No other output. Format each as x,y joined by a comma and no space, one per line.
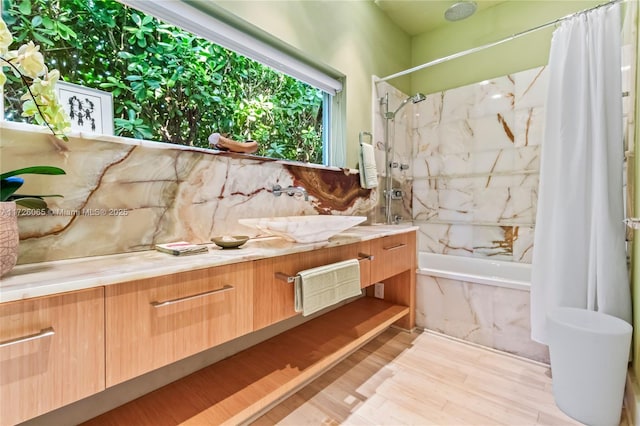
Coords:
368,172
320,287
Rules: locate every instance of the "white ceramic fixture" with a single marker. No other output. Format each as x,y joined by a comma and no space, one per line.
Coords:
304,229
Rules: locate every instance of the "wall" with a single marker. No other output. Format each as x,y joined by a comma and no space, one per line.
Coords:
476,164
488,26
353,37
124,195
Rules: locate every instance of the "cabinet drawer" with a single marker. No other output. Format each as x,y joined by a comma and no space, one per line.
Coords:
51,352
154,322
360,251
273,298
392,254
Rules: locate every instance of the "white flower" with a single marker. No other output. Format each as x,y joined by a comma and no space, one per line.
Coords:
40,101
5,38
31,60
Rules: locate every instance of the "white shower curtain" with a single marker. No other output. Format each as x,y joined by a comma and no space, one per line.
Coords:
579,257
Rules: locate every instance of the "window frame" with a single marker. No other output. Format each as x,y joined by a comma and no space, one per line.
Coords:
210,24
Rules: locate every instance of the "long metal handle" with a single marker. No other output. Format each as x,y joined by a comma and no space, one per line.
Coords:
194,296
42,333
363,256
394,247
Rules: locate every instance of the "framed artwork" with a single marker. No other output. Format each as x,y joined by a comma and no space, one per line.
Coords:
90,110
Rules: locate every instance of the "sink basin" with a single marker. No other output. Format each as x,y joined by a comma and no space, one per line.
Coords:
304,229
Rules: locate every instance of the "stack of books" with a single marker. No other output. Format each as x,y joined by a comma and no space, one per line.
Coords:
182,248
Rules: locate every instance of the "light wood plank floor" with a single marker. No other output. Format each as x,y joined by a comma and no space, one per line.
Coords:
404,378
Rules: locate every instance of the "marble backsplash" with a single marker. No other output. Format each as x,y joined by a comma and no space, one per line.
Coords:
123,195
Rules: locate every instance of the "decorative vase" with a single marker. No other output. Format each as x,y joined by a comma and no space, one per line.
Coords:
9,237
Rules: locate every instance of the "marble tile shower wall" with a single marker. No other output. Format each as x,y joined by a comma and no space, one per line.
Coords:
123,195
476,164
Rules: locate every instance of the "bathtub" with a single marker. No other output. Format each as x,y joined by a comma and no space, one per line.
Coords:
481,271
479,300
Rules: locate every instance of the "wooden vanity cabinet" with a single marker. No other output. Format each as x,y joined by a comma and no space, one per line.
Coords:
153,322
393,254
51,352
394,264
273,296
360,251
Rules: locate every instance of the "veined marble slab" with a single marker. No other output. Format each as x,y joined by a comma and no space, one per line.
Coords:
496,317
476,166
46,278
124,195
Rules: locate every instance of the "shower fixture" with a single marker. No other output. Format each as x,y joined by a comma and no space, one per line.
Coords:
391,193
460,10
418,97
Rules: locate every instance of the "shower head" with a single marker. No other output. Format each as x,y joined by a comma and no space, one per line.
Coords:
460,10
418,97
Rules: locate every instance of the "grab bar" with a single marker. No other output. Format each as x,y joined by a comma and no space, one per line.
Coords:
289,279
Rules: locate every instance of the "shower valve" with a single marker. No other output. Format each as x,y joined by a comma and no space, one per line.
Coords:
395,194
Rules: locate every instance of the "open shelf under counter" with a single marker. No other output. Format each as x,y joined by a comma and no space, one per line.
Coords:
243,386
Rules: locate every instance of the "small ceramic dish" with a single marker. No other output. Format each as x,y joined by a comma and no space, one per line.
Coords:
230,241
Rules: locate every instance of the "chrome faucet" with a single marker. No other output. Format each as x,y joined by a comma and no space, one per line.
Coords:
290,191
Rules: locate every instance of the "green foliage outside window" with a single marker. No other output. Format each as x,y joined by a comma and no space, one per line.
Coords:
168,85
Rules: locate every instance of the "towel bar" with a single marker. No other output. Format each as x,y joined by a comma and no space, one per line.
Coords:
362,256
289,279
284,277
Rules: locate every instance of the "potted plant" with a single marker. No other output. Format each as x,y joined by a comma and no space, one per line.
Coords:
41,103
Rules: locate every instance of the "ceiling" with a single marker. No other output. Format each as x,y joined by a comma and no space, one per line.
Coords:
419,16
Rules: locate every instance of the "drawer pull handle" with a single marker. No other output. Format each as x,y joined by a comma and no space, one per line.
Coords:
394,247
363,256
195,296
45,332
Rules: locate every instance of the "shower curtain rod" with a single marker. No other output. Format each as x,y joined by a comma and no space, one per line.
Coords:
495,43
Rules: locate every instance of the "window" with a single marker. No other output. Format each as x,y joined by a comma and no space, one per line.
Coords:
173,86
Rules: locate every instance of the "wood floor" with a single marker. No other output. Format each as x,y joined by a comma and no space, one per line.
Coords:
424,379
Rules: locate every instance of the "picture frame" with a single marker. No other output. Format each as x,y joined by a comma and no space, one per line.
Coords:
90,110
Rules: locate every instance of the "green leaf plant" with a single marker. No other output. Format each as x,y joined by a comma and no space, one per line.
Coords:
40,102
10,183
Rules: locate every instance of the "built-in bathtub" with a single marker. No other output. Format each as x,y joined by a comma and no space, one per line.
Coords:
479,300
477,270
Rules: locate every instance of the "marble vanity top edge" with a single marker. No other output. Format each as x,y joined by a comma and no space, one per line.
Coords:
54,277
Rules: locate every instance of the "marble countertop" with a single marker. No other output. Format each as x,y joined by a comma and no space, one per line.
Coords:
47,278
